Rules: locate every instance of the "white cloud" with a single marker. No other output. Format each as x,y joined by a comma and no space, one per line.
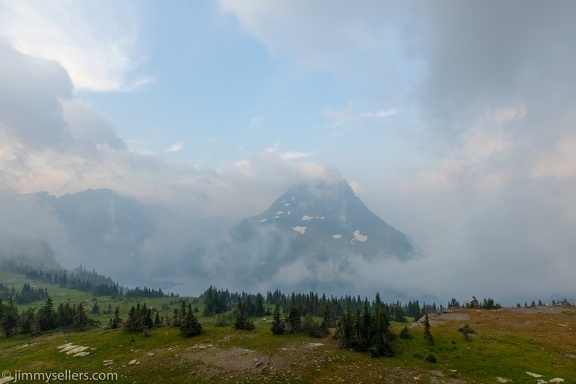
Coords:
94,40
323,34
357,188
293,155
176,147
381,113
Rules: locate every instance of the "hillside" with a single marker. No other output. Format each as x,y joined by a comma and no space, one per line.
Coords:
514,345
507,346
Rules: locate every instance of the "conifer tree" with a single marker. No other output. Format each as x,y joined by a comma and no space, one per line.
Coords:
278,327
176,318
157,320
95,309
345,329
405,333
80,320
293,319
27,320
259,309
47,317
9,318
242,320
190,325
116,321
382,335
427,335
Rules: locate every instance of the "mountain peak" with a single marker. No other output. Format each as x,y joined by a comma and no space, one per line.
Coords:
325,217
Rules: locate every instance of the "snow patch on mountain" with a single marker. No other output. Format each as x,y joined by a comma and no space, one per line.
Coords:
300,229
359,237
306,217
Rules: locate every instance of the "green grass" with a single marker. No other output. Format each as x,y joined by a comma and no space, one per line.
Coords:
506,344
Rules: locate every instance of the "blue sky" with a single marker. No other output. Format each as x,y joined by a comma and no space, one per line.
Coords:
453,121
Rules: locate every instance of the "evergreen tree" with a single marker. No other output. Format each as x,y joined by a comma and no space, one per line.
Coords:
382,335
242,320
47,317
417,311
293,319
345,329
405,333
175,318
64,315
314,329
278,327
190,325
427,335
95,309
9,318
116,321
80,320
157,322
27,319
259,309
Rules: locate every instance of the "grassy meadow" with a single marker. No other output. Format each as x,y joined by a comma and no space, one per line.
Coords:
514,345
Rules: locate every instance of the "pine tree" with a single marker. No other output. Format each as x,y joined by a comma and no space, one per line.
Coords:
9,318
278,327
190,325
382,335
427,335
157,322
64,315
242,320
405,333
95,309
293,319
27,320
176,318
259,305
80,320
47,317
116,321
345,329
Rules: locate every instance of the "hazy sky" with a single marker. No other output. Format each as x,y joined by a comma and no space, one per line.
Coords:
454,121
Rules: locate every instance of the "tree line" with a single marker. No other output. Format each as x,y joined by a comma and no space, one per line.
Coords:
26,295
47,318
83,280
217,301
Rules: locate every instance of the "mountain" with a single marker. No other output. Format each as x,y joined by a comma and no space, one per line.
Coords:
317,236
30,251
101,228
323,219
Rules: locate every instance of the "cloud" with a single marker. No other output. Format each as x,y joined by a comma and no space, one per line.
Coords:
176,147
293,155
68,146
333,36
99,52
349,119
381,113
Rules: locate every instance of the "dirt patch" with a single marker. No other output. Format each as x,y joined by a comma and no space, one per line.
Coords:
450,315
555,309
234,359
289,359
